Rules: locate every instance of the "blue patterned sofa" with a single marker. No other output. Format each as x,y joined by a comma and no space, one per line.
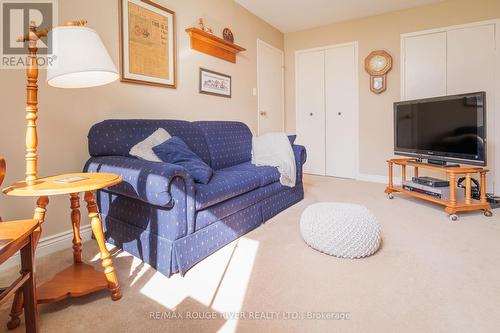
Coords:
160,215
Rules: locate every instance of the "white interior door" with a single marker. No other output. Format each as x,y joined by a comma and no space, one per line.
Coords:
270,88
310,104
341,111
471,59
425,66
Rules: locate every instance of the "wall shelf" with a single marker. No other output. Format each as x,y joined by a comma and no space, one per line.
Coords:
207,43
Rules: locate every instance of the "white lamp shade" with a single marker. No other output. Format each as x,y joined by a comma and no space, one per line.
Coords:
81,59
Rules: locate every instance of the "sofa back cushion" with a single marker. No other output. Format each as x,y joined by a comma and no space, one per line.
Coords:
229,142
116,137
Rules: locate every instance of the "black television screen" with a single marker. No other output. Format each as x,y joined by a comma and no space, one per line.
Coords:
448,128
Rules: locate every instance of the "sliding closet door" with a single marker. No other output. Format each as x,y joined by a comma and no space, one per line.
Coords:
462,59
425,66
471,59
341,105
310,104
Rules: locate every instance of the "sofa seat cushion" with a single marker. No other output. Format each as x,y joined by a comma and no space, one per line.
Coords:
267,174
225,184
231,206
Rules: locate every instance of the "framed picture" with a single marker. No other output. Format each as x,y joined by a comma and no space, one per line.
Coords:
147,43
213,83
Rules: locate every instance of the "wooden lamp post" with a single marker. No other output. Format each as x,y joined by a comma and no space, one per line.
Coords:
104,72
32,38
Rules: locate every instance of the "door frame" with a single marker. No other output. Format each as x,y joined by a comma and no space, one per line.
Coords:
356,109
259,43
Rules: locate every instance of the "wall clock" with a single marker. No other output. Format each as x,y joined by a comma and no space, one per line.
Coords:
378,64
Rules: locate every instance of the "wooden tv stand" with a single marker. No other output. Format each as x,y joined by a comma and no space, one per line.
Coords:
454,205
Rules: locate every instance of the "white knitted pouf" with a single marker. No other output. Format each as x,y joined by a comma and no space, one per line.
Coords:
340,229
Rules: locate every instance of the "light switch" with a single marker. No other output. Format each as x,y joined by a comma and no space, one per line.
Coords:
254,92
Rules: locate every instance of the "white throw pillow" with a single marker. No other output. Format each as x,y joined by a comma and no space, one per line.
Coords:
144,149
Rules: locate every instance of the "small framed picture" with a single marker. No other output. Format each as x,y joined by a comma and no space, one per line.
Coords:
213,83
147,43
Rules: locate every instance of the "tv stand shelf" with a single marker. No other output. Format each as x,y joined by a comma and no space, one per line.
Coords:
454,205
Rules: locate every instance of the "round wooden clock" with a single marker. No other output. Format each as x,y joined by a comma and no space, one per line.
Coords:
378,64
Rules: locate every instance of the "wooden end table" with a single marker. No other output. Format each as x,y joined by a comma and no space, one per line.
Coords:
80,278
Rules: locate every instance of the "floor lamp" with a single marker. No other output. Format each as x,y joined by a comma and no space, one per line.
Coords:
81,61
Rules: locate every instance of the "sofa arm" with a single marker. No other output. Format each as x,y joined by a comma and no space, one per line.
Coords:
143,180
300,154
300,158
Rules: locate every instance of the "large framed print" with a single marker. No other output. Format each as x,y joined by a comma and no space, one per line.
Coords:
147,43
213,83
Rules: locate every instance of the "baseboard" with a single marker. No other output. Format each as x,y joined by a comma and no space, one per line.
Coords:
376,179
51,244
372,178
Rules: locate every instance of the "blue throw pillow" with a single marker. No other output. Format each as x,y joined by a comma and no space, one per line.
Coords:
176,151
292,139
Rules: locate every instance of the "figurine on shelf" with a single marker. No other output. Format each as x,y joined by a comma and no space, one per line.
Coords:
203,27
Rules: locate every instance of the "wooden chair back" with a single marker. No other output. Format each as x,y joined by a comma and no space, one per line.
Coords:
3,168
18,236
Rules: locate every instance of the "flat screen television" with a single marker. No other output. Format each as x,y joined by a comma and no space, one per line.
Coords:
442,129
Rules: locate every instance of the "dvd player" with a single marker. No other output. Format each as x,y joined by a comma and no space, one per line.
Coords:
430,181
442,193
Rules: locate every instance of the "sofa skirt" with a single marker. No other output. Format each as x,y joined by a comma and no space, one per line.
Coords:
178,256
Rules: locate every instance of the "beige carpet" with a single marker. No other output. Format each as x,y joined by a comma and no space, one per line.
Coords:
431,275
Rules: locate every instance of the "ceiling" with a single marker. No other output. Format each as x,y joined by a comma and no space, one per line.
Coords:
295,15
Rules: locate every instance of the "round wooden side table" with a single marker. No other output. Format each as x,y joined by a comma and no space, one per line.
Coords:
80,278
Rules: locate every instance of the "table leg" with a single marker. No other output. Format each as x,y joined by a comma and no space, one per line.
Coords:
453,194
468,199
415,172
107,263
390,175
483,187
403,174
75,221
17,305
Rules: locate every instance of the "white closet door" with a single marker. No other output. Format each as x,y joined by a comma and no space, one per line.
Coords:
341,103
471,59
425,66
310,101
